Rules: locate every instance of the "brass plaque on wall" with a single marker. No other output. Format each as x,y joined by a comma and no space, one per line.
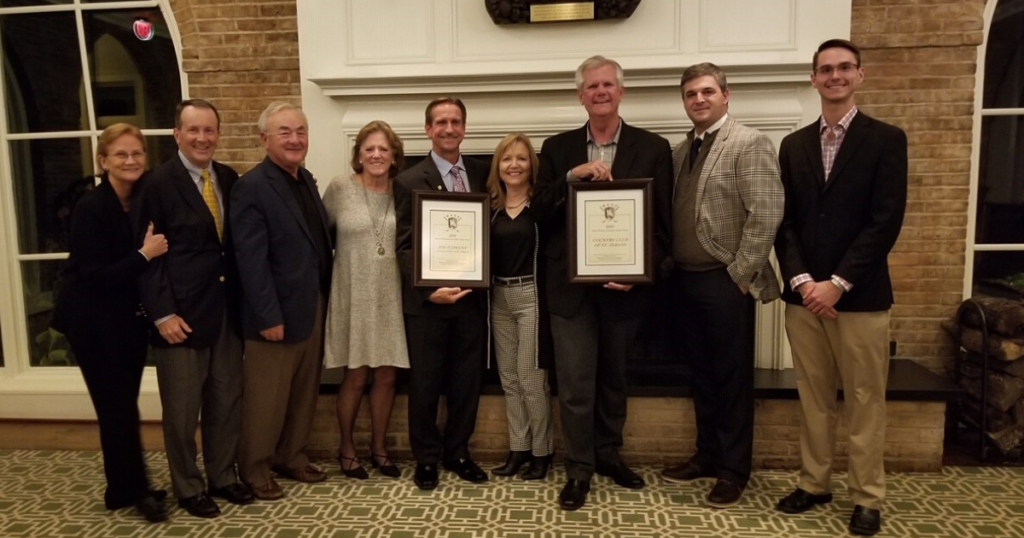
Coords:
570,11
543,11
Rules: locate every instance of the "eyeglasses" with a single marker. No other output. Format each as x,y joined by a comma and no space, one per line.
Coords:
122,156
844,68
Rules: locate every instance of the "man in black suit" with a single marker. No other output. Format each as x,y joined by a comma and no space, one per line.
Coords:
283,244
192,296
595,327
845,177
446,328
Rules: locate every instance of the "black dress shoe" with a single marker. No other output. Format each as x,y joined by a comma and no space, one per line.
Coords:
801,501
724,494
865,521
538,469
515,460
152,509
200,505
158,494
237,493
425,476
467,470
686,472
621,474
574,494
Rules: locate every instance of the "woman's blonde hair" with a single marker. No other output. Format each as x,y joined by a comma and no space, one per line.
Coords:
495,187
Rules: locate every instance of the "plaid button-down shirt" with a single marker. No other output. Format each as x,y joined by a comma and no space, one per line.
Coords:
832,139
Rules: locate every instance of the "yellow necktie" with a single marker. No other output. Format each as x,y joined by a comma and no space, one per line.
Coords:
210,197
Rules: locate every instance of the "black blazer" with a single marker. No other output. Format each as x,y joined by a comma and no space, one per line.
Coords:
98,299
847,225
640,154
197,278
277,257
425,177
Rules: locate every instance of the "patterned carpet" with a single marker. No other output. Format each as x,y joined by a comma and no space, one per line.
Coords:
58,493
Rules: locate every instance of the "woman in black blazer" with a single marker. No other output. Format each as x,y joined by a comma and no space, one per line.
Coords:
98,311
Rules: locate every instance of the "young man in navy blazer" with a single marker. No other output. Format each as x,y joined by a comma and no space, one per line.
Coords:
845,177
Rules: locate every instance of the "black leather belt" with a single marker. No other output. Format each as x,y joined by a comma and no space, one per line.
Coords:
511,281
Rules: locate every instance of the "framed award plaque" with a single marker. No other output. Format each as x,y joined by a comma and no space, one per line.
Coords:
451,239
610,231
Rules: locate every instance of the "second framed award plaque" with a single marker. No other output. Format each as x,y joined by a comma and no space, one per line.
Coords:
610,232
451,239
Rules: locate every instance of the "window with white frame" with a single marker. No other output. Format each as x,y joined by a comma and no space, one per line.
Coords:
69,69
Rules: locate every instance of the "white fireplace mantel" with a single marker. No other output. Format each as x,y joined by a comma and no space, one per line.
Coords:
364,60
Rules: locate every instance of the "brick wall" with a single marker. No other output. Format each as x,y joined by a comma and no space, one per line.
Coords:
920,59
661,431
241,55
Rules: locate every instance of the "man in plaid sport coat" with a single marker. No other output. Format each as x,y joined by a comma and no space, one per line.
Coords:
726,207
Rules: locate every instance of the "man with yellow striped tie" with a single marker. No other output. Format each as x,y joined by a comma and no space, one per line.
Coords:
191,296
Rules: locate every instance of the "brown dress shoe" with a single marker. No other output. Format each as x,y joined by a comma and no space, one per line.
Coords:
724,494
686,472
268,491
309,474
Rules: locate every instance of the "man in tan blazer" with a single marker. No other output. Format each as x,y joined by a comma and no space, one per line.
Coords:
726,207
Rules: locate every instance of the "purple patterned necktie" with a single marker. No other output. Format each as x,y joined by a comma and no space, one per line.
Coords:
457,183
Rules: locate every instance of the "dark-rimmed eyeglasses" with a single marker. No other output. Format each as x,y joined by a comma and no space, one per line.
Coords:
844,68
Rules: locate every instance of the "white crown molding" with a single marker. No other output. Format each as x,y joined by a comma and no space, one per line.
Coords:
369,86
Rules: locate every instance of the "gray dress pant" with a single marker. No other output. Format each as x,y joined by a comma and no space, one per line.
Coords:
590,361
204,381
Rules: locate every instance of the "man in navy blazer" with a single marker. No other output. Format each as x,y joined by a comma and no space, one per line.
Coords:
594,326
192,296
446,328
845,178
284,254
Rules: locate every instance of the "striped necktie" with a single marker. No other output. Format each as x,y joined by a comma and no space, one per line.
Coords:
210,197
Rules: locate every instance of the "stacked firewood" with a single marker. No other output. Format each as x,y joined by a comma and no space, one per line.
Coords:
1004,394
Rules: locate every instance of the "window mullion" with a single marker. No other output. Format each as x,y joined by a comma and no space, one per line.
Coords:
86,76
15,360
1002,112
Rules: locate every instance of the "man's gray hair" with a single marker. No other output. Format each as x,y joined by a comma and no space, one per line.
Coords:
274,108
596,62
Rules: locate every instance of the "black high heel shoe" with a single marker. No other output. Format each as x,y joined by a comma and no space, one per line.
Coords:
356,472
516,459
538,469
387,467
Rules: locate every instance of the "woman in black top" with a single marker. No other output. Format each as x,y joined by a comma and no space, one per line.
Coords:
517,320
98,310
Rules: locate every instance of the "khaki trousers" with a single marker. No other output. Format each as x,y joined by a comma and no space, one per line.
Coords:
849,352
280,384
